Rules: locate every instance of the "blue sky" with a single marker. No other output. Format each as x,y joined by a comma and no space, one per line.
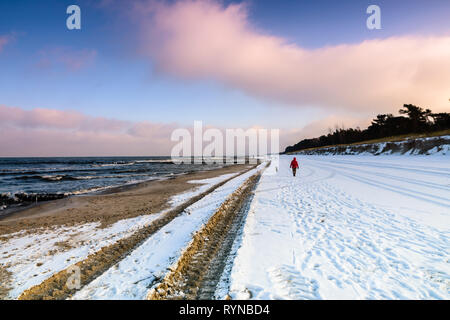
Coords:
319,23
118,82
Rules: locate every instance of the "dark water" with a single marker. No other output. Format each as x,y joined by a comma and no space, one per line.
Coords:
26,180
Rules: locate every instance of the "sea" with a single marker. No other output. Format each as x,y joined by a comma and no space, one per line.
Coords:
24,181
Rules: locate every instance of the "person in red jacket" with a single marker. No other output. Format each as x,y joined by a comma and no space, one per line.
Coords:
294,166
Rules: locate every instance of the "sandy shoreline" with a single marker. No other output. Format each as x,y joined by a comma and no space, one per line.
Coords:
107,208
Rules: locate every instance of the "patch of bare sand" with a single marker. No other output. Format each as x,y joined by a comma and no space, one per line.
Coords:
144,198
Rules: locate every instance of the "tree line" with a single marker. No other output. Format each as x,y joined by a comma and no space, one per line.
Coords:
416,120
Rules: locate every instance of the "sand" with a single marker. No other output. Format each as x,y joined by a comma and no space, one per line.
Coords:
121,203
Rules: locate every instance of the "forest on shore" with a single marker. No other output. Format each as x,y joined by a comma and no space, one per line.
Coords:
412,120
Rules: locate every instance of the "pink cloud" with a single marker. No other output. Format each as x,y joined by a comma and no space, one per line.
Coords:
197,39
46,142
47,132
56,119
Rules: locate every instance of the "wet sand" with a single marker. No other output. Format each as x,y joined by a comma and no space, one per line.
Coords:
120,203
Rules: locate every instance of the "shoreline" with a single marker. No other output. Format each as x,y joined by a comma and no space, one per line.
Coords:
110,205
18,207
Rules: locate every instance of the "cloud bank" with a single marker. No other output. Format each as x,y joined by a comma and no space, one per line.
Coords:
198,39
47,132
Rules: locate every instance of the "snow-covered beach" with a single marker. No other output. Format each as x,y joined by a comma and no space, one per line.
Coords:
53,237
348,227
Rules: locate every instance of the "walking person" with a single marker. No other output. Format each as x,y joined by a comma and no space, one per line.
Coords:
294,166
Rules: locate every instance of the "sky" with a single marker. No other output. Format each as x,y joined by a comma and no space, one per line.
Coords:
137,70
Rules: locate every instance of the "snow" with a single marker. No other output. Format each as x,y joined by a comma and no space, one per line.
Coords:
204,184
348,227
132,277
32,258
24,253
414,146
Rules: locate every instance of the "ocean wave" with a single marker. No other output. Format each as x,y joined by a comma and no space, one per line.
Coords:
56,178
9,198
51,178
48,171
40,179
155,161
114,164
86,177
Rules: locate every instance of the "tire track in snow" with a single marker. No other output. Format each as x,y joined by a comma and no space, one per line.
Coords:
414,169
196,274
398,178
397,189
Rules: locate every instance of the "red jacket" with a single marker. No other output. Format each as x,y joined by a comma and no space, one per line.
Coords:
294,164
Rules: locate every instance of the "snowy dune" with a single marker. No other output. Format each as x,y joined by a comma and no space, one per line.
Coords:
430,146
348,227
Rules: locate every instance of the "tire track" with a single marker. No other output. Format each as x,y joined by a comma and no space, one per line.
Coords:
397,178
393,188
415,169
197,273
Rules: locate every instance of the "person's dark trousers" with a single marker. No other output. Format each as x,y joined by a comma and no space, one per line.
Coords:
294,171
